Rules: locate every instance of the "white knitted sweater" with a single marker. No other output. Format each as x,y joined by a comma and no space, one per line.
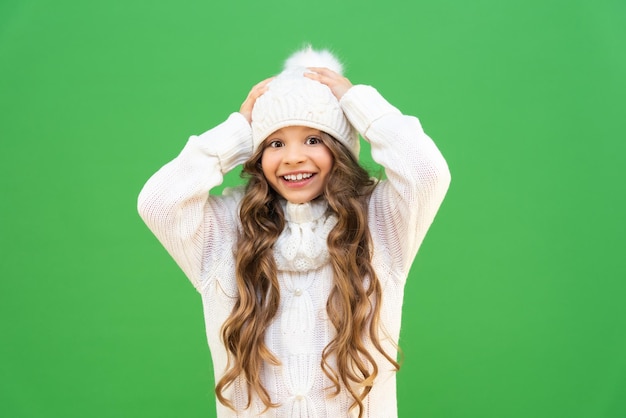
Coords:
200,232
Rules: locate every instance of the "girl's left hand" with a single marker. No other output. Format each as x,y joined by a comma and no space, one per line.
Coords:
337,83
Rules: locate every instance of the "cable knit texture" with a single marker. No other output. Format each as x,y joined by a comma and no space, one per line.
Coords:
200,232
292,99
302,245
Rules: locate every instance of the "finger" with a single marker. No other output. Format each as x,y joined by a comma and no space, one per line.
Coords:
324,71
330,78
260,86
259,89
324,79
313,76
263,83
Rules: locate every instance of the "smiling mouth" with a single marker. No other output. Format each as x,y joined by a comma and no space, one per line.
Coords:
297,177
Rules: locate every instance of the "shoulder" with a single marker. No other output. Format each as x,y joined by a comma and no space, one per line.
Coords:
227,204
235,193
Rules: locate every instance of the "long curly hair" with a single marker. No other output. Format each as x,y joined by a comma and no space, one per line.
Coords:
353,305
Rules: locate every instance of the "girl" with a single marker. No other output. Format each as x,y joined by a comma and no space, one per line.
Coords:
301,272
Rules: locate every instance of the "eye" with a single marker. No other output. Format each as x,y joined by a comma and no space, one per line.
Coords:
313,140
276,143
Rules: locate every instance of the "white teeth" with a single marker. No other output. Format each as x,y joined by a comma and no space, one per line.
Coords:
296,177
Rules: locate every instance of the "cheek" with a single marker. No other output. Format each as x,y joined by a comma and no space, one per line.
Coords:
267,164
329,161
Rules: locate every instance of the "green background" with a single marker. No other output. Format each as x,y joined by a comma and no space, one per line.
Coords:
516,304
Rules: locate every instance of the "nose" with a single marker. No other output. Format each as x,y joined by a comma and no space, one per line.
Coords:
294,154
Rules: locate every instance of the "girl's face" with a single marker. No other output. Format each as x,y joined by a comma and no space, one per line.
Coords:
296,163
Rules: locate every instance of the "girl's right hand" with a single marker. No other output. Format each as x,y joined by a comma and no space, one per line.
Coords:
255,93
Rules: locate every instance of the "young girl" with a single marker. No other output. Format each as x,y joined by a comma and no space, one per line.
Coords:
301,271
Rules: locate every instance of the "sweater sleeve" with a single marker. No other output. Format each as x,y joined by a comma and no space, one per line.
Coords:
402,207
175,202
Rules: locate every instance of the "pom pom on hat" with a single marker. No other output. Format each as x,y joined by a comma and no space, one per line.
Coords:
294,100
309,57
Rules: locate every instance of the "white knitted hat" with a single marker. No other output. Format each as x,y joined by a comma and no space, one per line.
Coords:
294,100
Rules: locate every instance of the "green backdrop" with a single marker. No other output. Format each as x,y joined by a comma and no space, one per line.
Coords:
515,307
